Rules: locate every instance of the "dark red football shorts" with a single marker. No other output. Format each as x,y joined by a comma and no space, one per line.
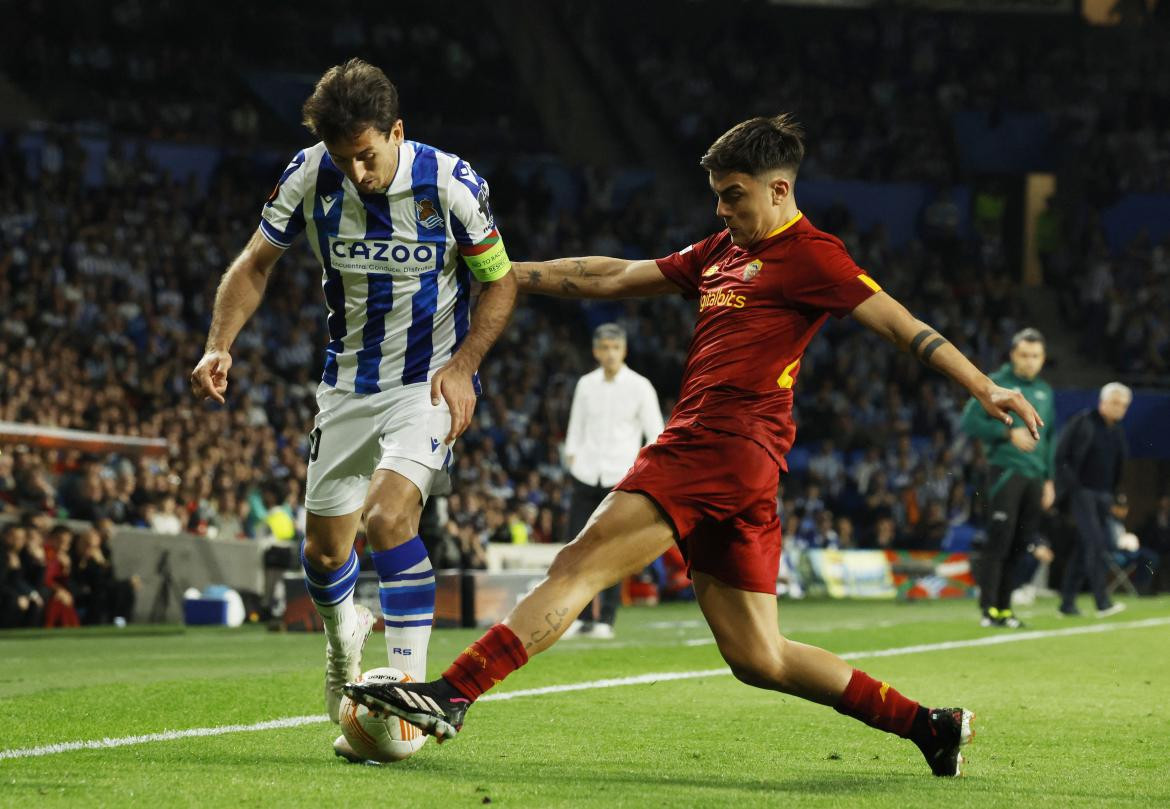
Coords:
719,490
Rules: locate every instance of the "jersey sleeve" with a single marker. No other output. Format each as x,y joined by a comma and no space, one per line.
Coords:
825,277
684,268
282,218
473,225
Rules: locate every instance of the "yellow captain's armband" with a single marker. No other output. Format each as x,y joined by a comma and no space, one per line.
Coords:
488,260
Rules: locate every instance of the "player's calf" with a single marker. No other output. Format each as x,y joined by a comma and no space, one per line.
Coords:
346,626
406,589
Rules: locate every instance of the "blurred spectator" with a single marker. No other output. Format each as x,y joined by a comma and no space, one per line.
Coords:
1130,552
59,607
21,603
1156,537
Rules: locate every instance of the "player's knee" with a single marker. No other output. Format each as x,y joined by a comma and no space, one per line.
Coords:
580,561
567,560
760,667
389,527
325,559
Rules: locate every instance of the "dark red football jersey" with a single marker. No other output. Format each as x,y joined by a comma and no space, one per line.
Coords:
758,309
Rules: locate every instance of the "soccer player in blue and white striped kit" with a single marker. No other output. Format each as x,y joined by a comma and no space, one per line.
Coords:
399,228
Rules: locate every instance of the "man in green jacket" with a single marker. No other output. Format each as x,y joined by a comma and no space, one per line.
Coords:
1020,484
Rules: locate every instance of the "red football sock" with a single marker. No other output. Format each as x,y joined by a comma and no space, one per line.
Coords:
878,705
487,661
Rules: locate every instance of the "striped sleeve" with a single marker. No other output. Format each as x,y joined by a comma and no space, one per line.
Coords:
473,226
282,216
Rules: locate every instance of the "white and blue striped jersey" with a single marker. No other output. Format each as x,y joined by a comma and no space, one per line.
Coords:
398,296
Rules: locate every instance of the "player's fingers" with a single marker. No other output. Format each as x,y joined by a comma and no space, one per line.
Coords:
464,418
453,408
463,421
201,384
436,390
199,375
1030,420
1029,414
998,413
468,411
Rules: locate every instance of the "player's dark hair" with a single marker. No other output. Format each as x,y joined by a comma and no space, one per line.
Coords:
348,99
1028,335
757,146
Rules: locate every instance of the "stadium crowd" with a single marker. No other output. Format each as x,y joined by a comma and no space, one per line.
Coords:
882,89
131,67
106,291
110,290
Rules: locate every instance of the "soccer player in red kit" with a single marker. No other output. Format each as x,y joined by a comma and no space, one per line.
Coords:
764,285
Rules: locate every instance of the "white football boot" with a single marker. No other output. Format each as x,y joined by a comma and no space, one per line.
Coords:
342,749
345,665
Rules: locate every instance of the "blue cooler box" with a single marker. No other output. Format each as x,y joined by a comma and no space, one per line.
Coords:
205,611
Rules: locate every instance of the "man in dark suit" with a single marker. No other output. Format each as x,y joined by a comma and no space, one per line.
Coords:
1089,460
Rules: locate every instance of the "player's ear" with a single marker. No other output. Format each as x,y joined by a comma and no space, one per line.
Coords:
781,187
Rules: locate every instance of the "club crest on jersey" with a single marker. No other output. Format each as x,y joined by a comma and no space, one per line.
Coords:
752,270
428,217
714,268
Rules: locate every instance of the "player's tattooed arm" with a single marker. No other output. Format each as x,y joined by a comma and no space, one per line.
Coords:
885,316
568,277
925,343
592,277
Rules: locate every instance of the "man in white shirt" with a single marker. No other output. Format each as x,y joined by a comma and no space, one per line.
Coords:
615,412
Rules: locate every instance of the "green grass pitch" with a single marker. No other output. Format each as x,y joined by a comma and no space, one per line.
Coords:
1063,720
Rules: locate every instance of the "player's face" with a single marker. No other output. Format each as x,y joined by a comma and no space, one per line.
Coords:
610,354
1027,359
751,207
370,159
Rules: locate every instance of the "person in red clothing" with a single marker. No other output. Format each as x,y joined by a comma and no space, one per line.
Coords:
764,285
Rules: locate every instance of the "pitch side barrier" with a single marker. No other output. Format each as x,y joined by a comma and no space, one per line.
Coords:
168,565
879,574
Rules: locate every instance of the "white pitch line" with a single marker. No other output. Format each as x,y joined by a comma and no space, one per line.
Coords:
165,736
641,679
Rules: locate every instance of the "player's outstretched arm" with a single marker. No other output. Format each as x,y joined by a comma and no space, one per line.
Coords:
239,293
453,381
885,316
593,277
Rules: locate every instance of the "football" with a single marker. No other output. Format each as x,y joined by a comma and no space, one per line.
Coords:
377,736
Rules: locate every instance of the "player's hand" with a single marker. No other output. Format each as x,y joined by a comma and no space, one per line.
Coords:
209,379
453,383
1048,496
1000,403
1022,439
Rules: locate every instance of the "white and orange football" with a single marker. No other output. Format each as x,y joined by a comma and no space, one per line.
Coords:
373,735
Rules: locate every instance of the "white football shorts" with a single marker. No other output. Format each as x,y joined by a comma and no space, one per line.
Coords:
355,434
